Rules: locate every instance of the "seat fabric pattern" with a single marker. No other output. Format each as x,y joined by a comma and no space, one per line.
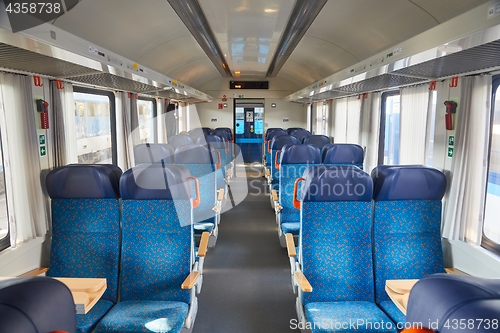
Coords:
407,241
336,251
85,241
330,317
145,316
393,312
154,264
87,322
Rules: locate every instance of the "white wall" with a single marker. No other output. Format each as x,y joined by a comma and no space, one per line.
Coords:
273,117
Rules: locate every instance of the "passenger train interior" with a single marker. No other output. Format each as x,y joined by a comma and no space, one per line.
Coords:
249,166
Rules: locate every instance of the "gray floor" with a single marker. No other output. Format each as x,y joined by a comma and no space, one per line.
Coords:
247,285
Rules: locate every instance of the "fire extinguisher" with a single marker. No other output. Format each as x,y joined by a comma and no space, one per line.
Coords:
451,108
42,107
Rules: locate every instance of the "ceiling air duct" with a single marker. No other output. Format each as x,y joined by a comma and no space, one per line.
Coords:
303,15
189,11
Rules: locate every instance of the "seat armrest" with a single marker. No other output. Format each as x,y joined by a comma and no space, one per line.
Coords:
268,173
190,281
35,272
220,197
302,282
275,195
290,246
202,250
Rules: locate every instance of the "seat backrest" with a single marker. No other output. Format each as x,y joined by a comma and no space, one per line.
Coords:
180,140
85,217
342,154
147,153
290,130
223,134
406,224
36,304
277,144
192,154
196,133
301,134
157,236
275,132
294,160
318,140
335,237
446,300
207,130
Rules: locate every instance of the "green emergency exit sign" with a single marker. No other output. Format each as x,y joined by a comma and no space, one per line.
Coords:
450,151
43,151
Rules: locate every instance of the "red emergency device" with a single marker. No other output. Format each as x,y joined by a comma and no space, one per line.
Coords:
451,108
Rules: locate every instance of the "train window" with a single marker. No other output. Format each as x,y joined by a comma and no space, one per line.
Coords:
4,221
389,131
146,111
94,116
491,226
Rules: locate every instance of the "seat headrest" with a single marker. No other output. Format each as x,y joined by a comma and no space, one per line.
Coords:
156,182
223,134
270,129
83,181
278,142
227,129
211,138
153,153
300,154
301,134
292,129
180,140
206,130
409,183
318,140
336,183
342,153
378,169
192,154
274,133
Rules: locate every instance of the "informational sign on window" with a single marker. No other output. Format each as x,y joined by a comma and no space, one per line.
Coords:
249,116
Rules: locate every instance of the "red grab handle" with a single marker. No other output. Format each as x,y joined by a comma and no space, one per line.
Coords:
296,202
196,201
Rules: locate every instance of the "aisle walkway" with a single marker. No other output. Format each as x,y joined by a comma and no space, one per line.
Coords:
247,287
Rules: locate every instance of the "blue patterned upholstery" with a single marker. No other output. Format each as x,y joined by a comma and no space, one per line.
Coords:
393,312
87,322
318,140
294,160
147,153
406,226
86,230
342,154
348,317
180,140
335,250
157,255
301,134
145,316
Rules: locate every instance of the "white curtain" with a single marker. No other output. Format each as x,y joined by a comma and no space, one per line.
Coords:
353,119
340,128
27,212
369,125
464,208
124,130
413,124
64,129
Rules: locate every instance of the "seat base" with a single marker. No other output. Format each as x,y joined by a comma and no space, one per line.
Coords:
144,316
347,317
393,312
87,322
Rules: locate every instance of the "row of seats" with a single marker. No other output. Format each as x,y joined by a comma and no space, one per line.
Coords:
355,233
293,160
143,243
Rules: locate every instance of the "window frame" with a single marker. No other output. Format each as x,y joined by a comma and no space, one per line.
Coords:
381,141
487,243
112,115
155,114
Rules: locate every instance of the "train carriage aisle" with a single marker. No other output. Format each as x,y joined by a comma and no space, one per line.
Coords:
246,285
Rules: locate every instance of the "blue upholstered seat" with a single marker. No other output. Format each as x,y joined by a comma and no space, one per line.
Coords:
86,217
146,153
335,252
198,160
157,252
342,154
294,159
301,134
36,304
290,130
318,140
277,144
447,300
406,227
270,135
180,140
